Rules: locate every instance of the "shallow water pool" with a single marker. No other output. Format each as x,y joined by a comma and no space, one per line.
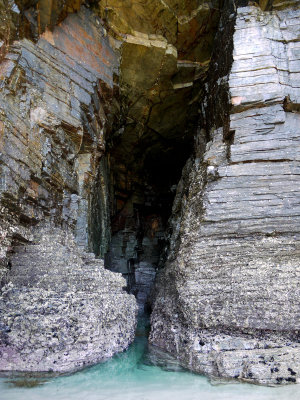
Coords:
128,376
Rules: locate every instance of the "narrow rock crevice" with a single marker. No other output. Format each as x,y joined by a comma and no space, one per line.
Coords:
158,140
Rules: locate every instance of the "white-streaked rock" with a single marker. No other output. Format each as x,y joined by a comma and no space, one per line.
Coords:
228,299
60,310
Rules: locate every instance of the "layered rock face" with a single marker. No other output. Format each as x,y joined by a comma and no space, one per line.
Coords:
228,299
80,132
100,106
53,121
165,53
60,309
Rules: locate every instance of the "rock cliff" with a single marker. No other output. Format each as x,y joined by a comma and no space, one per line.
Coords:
227,302
60,310
163,137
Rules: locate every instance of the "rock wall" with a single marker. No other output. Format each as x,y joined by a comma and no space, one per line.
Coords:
165,52
53,120
100,102
137,240
228,301
60,310
79,103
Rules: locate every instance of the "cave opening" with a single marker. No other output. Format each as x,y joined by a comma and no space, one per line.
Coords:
153,123
142,182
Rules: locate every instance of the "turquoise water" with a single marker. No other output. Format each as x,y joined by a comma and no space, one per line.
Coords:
128,376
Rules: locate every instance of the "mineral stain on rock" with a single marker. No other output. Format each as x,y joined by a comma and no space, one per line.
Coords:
149,160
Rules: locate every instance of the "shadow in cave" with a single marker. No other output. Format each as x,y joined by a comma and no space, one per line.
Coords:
143,180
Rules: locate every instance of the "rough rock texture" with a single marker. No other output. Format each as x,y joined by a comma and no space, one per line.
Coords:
137,240
165,52
114,99
100,102
228,299
54,116
60,309
60,107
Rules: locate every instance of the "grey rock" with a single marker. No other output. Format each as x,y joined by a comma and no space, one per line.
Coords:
227,302
60,310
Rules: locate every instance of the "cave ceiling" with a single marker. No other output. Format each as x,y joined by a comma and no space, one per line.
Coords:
164,48
165,53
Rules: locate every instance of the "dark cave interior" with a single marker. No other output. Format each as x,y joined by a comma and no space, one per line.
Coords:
142,180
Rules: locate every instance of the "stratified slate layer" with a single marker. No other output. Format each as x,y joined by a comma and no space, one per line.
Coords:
60,309
55,108
229,300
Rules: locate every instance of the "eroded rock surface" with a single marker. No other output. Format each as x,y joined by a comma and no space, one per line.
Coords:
60,309
100,103
228,299
54,115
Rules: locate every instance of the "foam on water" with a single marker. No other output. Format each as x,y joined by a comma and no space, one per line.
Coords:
128,377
